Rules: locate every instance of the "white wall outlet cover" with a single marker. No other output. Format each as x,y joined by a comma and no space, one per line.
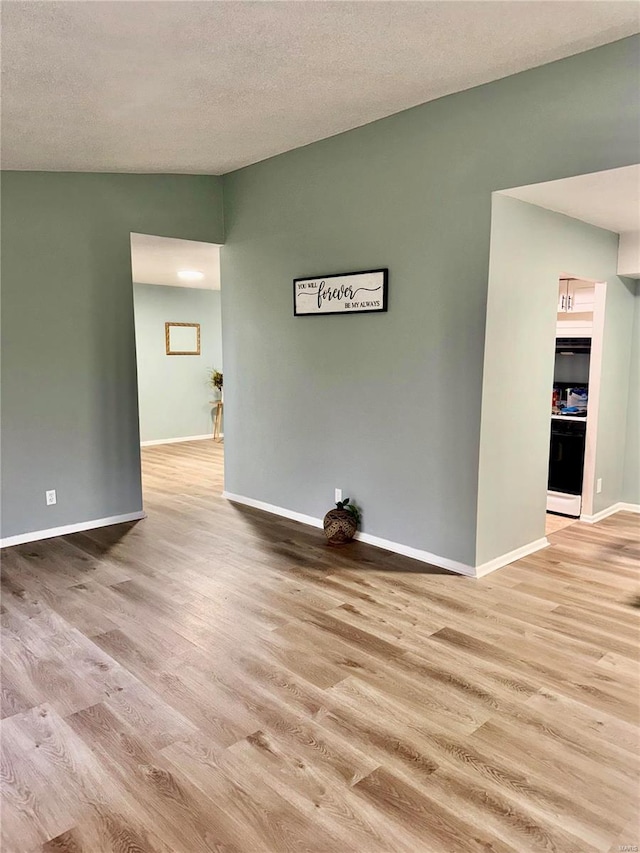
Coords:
599,485
50,497
337,495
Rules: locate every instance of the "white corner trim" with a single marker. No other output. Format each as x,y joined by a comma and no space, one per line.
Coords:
51,532
511,557
367,538
177,440
610,510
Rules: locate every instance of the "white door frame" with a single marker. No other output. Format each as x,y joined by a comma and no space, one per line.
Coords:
593,404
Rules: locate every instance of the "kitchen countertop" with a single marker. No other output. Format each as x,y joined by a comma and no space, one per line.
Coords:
568,418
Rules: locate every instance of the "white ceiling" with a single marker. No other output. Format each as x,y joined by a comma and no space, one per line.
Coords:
206,87
157,260
609,199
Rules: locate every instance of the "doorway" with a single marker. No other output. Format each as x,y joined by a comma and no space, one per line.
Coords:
530,247
575,400
178,332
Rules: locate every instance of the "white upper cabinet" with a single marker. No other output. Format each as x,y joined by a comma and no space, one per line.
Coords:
562,295
576,296
581,297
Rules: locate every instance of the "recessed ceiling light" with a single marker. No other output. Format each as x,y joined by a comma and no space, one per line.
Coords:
190,275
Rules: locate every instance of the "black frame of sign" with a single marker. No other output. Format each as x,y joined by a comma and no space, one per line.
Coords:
385,293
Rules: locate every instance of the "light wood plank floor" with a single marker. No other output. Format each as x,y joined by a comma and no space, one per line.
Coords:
553,523
216,679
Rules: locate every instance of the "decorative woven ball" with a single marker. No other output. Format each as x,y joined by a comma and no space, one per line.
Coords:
339,526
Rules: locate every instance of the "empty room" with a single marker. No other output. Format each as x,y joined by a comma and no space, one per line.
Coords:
320,426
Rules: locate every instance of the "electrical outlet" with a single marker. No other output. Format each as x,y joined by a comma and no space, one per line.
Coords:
337,495
51,497
599,485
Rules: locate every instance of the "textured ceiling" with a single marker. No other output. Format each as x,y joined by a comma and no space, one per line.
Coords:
608,199
157,260
206,87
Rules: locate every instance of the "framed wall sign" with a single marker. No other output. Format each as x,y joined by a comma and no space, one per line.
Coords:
341,293
182,338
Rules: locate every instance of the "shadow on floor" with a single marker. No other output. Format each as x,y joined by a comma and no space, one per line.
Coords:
307,547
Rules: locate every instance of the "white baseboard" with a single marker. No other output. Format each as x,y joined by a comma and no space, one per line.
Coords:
178,440
51,532
274,510
511,557
376,541
610,510
417,554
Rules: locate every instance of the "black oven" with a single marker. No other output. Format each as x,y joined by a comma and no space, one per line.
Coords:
566,457
573,346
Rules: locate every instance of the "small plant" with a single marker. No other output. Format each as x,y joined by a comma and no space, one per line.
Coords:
351,508
215,379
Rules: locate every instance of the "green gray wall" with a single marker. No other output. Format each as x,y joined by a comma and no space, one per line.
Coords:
173,390
69,401
387,406
631,478
614,392
530,249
